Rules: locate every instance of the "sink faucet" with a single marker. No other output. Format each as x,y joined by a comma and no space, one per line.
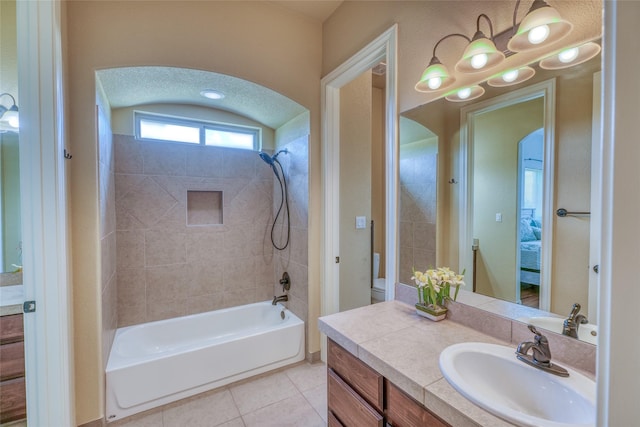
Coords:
573,322
279,299
540,356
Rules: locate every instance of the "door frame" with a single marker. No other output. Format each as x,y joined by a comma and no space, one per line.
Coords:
383,48
544,89
46,278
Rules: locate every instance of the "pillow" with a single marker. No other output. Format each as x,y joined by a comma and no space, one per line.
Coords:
537,231
526,232
536,223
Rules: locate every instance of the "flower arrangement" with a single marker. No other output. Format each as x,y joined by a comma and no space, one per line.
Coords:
434,287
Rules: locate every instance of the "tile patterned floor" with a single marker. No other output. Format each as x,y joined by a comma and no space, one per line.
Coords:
290,397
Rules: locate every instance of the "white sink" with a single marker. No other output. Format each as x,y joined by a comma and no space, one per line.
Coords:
493,378
587,332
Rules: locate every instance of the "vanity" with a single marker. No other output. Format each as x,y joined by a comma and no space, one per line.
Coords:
383,365
13,404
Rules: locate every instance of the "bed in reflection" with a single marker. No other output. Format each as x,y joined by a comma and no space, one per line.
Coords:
530,246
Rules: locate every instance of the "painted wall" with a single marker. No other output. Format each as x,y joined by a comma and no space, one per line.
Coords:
255,41
355,192
495,180
378,168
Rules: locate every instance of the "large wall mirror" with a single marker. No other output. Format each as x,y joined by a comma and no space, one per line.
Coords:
11,251
512,186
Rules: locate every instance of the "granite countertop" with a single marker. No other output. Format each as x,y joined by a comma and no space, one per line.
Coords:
11,298
405,349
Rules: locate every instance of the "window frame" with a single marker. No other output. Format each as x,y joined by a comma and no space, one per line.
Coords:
202,127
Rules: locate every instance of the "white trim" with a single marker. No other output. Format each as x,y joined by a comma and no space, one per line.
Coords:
596,198
48,337
544,89
382,48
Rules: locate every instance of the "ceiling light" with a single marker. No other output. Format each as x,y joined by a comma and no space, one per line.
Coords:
212,94
465,94
512,77
481,53
436,76
571,56
9,117
541,25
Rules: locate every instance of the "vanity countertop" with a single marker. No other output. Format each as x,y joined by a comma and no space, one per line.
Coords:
11,299
405,349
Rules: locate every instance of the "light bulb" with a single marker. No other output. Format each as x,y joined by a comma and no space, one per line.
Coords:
568,55
510,76
538,34
478,61
464,93
434,82
14,122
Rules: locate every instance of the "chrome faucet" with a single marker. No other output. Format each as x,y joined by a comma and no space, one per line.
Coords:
540,356
573,322
279,299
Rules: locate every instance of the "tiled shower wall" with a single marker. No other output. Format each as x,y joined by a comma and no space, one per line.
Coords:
166,268
417,214
108,276
293,259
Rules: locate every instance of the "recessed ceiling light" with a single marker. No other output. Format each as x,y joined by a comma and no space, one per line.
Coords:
212,94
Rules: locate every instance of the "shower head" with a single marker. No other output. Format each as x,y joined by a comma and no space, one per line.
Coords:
267,158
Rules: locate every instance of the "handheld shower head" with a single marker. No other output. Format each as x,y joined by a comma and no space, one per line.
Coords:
267,158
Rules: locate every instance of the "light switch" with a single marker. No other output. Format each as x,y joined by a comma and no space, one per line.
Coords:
361,222
498,217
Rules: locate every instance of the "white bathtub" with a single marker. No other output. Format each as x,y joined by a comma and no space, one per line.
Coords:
156,363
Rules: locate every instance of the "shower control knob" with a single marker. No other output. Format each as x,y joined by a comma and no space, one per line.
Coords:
285,281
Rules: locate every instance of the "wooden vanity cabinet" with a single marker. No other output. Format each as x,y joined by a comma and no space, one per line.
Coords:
358,396
404,411
13,403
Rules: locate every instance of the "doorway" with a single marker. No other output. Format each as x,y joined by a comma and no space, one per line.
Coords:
381,49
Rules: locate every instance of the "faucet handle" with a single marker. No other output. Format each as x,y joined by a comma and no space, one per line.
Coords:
534,330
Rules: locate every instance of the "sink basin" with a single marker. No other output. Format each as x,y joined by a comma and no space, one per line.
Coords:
493,378
587,332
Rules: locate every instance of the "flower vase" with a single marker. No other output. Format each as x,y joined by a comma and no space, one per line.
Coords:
435,313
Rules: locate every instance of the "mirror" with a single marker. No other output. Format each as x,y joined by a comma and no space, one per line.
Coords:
11,251
571,186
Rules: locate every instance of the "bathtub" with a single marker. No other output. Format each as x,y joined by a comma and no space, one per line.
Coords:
156,363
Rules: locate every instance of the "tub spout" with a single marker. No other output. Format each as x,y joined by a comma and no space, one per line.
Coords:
279,299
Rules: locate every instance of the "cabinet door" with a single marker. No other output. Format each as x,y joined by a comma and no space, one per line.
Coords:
349,408
367,382
11,361
13,404
403,411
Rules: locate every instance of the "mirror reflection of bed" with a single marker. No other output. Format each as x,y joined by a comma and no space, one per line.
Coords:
530,191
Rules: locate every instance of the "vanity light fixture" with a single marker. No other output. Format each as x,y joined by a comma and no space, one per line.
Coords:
9,118
481,53
512,77
465,94
436,76
571,56
542,25
212,94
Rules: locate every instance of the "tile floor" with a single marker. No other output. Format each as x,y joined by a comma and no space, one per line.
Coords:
294,397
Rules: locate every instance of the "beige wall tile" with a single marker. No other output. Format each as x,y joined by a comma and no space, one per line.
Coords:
128,155
130,249
205,278
164,158
163,247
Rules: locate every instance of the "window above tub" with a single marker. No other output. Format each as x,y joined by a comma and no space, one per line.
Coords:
154,127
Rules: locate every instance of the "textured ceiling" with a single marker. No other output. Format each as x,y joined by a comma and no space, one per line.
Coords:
318,10
126,87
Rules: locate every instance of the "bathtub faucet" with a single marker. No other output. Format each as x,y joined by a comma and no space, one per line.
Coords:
279,299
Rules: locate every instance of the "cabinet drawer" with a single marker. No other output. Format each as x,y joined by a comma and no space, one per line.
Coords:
403,411
350,409
13,404
367,382
11,361
11,328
